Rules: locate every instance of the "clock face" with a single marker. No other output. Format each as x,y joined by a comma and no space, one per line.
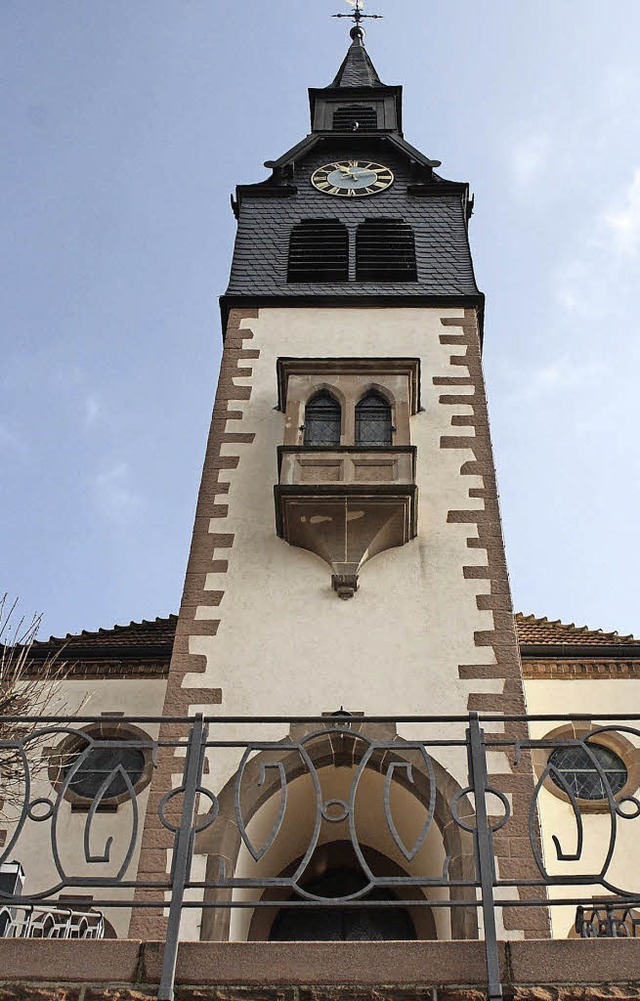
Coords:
352,178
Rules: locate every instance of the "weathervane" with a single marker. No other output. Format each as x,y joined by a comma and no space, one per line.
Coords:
358,14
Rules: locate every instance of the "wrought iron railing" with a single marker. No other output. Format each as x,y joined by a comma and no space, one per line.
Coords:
437,814
607,921
31,921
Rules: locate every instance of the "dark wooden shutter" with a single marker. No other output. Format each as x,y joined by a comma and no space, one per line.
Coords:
355,118
385,251
319,252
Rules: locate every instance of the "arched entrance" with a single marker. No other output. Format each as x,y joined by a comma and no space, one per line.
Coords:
364,788
339,924
334,873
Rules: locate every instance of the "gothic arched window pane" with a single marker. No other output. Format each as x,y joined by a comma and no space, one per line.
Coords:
373,421
385,251
318,252
322,419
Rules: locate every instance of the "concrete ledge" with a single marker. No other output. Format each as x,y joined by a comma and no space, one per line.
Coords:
66,961
326,963
575,961
343,969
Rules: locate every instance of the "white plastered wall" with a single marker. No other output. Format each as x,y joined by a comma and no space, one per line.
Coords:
285,643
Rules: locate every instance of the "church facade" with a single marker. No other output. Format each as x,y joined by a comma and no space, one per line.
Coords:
347,591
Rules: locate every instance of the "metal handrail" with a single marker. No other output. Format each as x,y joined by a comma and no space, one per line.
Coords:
478,811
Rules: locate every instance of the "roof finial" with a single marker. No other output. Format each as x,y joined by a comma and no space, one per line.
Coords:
357,16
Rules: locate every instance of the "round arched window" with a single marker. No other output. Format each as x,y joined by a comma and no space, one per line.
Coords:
109,753
595,773
98,764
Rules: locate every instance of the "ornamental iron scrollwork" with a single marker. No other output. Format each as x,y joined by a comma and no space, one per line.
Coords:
435,817
618,806
607,921
77,745
272,767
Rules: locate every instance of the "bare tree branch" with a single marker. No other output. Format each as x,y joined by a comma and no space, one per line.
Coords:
23,693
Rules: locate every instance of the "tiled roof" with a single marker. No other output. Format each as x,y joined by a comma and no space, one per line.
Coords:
535,631
157,636
157,633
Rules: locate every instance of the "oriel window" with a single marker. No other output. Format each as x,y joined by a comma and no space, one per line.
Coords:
373,422
322,420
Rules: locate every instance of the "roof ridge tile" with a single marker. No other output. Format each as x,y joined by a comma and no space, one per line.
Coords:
531,630
534,629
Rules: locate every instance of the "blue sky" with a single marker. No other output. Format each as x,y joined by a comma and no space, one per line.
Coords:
129,122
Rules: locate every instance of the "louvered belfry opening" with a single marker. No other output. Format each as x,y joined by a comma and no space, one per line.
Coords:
385,251
318,252
373,422
322,420
355,118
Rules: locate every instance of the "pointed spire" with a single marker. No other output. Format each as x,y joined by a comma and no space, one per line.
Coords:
357,70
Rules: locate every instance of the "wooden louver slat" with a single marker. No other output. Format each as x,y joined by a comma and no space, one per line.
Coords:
360,118
385,251
318,251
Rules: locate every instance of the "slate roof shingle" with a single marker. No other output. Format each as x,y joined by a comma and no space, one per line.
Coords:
443,256
356,69
156,633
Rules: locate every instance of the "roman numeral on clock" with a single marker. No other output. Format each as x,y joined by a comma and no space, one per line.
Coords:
353,178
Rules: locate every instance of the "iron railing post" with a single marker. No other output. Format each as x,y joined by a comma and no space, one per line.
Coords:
485,862
182,853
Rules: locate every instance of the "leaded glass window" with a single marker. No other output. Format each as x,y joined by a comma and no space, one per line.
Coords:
373,422
102,761
322,419
577,767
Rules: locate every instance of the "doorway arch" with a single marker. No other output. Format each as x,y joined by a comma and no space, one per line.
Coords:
366,751
334,870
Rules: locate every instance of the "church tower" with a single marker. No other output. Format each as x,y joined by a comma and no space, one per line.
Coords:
347,548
